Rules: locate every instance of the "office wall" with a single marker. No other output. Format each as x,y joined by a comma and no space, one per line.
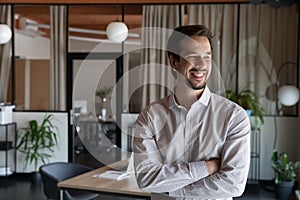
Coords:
288,127
92,75
33,84
32,47
22,118
60,120
287,141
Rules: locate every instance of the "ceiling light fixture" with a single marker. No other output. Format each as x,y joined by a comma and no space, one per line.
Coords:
117,31
73,29
5,33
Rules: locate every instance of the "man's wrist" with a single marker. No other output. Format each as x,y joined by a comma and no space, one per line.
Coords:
198,170
212,166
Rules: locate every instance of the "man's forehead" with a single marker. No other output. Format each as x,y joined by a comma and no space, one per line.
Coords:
195,43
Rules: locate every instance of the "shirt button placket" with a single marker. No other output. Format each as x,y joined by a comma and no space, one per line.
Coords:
187,135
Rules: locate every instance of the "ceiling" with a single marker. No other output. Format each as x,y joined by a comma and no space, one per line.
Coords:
87,17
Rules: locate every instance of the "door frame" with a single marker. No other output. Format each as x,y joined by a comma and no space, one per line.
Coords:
118,57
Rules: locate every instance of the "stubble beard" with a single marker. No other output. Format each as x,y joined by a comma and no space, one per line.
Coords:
195,87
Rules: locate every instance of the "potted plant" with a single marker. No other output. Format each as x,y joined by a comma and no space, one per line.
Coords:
285,174
37,142
248,100
102,93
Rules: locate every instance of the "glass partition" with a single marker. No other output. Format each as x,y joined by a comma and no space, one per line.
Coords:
32,57
251,48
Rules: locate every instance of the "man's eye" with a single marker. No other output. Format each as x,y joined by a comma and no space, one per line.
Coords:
191,57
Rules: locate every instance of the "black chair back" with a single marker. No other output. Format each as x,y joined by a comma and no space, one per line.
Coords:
53,173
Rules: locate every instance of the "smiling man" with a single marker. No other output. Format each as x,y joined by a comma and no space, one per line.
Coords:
192,144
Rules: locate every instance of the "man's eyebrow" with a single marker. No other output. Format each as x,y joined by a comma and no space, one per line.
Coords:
191,52
194,52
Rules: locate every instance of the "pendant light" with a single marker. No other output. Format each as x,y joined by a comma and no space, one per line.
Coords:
5,33
117,31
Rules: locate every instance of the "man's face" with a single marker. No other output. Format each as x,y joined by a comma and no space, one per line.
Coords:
195,61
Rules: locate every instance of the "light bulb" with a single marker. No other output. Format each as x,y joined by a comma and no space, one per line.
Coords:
288,95
5,33
117,31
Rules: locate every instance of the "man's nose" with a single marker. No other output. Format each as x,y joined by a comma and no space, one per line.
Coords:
199,62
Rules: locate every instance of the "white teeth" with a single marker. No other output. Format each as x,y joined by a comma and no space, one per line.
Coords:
198,74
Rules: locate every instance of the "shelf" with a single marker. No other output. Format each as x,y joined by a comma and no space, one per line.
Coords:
6,145
5,171
7,124
254,155
254,170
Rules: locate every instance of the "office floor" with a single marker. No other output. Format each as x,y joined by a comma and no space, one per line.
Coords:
19,187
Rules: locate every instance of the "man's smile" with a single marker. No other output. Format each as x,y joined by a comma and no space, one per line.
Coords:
198,74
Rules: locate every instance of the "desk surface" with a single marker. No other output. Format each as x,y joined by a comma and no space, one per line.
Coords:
86,181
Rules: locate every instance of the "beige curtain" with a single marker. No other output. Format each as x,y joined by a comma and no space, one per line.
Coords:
158,23
267,40
5,54
221,19
58,23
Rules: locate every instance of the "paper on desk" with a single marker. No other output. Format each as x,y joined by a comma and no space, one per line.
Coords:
114,175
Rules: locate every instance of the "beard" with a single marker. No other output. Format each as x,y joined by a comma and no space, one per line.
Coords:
195,87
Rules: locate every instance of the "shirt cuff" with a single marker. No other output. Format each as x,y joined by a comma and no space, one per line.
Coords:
177,193
199,170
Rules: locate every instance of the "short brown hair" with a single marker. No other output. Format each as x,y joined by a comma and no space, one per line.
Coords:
182,32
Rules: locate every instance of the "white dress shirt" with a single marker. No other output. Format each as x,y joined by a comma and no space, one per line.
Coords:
171,145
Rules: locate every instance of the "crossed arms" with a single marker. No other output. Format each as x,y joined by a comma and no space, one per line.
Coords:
220,176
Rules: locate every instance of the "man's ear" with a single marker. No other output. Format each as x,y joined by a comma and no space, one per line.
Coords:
173,62
173,65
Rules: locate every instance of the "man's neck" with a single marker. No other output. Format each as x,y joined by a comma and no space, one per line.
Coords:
186,96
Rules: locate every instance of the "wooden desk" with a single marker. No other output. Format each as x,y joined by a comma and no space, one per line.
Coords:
127,186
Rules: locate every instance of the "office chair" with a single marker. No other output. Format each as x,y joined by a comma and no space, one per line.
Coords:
53,173
109,130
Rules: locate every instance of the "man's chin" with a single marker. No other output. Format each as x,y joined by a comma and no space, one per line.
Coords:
195,86
198,87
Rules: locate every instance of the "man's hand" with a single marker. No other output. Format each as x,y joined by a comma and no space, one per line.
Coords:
213,165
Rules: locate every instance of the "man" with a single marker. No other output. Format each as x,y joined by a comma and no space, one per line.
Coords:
192,144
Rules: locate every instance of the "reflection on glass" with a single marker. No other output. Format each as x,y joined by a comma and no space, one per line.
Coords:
32,53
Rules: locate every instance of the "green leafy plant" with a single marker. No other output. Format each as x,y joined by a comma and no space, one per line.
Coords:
285,170
37,142
248,100
103,92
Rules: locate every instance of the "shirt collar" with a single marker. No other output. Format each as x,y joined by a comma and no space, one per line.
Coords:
204,99
172,101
